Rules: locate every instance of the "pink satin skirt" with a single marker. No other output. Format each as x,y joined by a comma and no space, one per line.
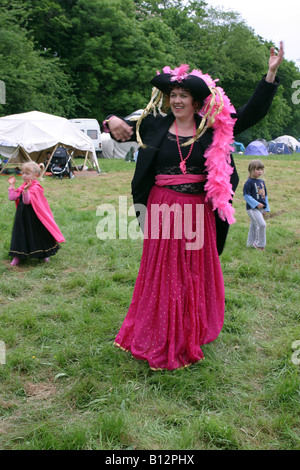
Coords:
178,299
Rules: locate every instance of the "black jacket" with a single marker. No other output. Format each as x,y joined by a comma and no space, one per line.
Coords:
153,130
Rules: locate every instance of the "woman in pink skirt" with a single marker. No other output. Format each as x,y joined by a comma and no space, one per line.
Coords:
182,189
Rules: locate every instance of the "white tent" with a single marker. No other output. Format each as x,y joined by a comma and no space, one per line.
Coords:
28,136
113,149
290,141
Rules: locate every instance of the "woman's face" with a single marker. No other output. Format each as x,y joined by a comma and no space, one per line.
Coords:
182,103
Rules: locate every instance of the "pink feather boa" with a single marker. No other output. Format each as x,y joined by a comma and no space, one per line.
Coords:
218,187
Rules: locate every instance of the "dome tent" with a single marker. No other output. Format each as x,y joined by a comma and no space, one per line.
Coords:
290,141
27,136
279,148
256,148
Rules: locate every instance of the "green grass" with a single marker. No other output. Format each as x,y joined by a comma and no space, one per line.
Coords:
64,384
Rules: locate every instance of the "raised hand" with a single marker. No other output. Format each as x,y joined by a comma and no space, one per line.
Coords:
274,62
11,180
276,59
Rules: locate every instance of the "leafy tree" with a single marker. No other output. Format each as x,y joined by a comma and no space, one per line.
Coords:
91,57
239,59
113,53
102,51
47,22
289,77
32,81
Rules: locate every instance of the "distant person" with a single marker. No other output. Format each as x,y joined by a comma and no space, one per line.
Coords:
255,195
35,233
47,159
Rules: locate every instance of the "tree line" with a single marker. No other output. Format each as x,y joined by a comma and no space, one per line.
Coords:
88,58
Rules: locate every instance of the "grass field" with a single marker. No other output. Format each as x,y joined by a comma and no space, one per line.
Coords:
64,386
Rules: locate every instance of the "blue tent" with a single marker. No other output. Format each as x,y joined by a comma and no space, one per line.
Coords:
239,147
256,148
279,148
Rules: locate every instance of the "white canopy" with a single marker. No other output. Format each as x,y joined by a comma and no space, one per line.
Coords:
113,149
32,133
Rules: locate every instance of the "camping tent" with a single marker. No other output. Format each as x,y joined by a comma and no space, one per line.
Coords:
113,149
28,136
256,148
263,141
239,146
279,148
290,141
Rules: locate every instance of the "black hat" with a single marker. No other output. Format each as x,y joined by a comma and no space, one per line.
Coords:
195,85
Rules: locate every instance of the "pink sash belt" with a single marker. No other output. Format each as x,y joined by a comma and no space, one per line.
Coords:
170,180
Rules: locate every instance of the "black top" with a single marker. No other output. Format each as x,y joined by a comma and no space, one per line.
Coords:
167,162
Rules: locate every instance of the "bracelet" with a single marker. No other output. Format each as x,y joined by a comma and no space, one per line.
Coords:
107,120
105,126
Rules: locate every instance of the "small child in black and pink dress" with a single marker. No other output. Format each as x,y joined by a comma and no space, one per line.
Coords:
35,233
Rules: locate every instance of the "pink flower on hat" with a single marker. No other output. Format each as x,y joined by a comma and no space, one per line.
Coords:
178,74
